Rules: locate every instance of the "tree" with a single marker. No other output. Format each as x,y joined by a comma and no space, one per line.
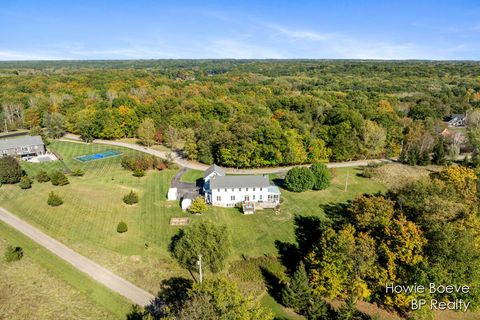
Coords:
54,200
122,227
374,137
42,176
299,179
25,182
438,156
130,198
58,178
322,176
297,293
10,170
220,299
146,132
206,238
198,206
55,124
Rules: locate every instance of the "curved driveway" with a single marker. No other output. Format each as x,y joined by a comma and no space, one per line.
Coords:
83,264
177,158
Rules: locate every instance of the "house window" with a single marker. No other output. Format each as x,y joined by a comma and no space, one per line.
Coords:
233,189
253,189
247,198
246,189
218,190
232,198
260,189
260,197
225,189
253,197
219,198
239,189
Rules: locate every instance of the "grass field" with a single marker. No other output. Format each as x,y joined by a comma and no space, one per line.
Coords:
93,207
42,286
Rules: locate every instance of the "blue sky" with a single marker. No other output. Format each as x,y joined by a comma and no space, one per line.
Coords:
395,29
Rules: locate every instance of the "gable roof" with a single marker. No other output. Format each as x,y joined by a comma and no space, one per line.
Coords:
239,181
24,141
214,168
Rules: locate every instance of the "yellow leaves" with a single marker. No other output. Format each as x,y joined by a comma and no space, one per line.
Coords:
385,106
463,179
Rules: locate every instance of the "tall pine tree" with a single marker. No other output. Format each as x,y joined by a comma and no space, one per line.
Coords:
297,293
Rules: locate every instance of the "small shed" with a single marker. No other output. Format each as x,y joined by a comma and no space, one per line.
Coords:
187,200
172,194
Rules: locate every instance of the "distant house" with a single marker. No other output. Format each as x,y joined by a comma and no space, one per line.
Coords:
25,146
455,120
228,191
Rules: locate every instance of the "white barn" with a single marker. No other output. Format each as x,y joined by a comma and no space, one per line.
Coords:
227,191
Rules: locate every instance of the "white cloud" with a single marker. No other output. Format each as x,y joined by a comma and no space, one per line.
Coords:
300,34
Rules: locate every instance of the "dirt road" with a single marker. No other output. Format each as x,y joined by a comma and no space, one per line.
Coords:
83,264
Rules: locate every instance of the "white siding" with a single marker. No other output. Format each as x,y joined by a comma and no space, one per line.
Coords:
223,197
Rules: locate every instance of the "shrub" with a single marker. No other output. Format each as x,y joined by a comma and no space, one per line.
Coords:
138,173
10,170
54,200
13,253
122,227
322,176
25,182
59,179
77,173
299,179
130,198
42,176
198,206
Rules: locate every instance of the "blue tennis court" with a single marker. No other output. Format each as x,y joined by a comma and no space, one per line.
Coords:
98,156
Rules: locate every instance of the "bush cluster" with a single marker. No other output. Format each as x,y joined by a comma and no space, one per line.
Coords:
25,182
13,253
122,227
317,177
10,170
143,162
77,172
42,176
58,178
130,198
54,200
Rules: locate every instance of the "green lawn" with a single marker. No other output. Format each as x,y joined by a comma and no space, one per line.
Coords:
93,206
42,286
192,176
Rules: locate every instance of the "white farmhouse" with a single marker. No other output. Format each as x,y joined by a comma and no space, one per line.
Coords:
227,191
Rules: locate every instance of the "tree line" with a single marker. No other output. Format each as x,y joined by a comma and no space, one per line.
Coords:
245,113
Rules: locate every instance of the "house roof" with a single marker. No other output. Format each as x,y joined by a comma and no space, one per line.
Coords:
214,168
24,141
239,181
189,195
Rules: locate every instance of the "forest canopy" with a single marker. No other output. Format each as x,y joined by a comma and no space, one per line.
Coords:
244,113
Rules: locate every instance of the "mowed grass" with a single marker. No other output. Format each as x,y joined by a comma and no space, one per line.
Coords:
93,207
42,286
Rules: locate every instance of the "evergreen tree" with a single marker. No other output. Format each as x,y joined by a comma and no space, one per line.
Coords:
58,178
296,294
322,176
25,182
439,153
42,176
54,200
10,170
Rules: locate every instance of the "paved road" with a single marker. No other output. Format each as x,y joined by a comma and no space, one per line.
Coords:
94,270
177,158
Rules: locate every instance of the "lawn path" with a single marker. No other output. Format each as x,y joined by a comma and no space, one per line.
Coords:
177,158
83,264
